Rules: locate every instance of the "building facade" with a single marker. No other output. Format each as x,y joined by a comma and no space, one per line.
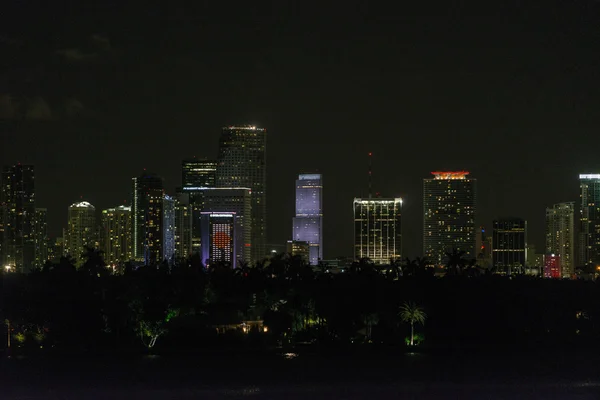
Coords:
41,238
18,217
169,227
552,266
242,162
116,235
589,220
81,231
560,235
449,205
218,238
297,248
378,229
183,227
509,253
147,214
307,225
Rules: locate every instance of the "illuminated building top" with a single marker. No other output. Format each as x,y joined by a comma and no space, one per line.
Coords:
450,175
82,204
247,128
378,201
589,176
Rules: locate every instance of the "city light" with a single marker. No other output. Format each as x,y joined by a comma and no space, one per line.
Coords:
589,176
450,175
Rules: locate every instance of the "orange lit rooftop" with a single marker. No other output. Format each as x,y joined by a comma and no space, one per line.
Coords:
450,174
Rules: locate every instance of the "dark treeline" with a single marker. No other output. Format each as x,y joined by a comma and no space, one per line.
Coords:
187,306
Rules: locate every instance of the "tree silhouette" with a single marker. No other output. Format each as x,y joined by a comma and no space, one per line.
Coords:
412,313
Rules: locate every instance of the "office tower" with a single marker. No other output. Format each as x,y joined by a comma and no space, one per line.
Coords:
535,261
198,173
218,237
147,214
552,266
589,219
243,163
509,243
239,202
449,205
169,207
308,222
116,235
183,227
18,209
484,246
378,229
299,248
41,237
81,231
560,237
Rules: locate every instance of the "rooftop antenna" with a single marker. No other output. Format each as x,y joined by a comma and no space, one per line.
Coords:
370,174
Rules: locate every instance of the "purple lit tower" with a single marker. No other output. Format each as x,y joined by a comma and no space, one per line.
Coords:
308,222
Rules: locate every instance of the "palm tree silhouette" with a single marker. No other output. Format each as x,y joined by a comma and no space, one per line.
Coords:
410,312
456,262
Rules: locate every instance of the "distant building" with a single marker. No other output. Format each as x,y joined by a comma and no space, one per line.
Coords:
183,228
308,222
18,217
560,236
242,162
41,237
378,229
218,238
147,214
116,235
484,249
56,249
509,246
449,205
198,173
552,267
169,227
535,261
589,218
299,248
81,231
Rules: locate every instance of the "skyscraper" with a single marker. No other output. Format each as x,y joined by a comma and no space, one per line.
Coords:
378,229
218,237
243,163
509,246
183,227
147,213
169,209
116,235
560,236
81,230
18,209
449,205
589,218
308,222
41,237
198,173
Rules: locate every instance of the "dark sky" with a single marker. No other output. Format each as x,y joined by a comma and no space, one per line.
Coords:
507,90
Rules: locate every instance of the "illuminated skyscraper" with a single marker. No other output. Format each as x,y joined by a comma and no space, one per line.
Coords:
378,229
449,205
147,213
243,163
560,236
308,222
218,237
198,173
116,235
183,227
81,230
509,246
589,218
18,209
169,228
41,237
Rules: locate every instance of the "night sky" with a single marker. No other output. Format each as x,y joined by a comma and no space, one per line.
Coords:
510,92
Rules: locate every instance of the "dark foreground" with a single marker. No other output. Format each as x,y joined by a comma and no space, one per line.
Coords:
455,375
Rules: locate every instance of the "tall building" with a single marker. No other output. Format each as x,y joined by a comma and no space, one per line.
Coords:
169,228
509,243
299,248
147,213
198,173
18,212
378,229
308,222
183,227
243,163
81,230
116,235
484,249
589,219
218,237
41,237
560,236
552,266
449,205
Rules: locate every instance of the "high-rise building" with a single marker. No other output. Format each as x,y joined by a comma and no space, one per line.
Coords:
589,218
509,243
198,173
378,229
183,227
299,248
449,205
243,163
18,212
560,236
147,213
169,228
218,237
41,237
484,249
116,235
535,261
552,266
308,222
81,231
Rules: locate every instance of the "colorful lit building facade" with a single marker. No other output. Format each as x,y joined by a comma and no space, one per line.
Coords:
589,220
509,252
308,222
218,238
552,267
560,235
